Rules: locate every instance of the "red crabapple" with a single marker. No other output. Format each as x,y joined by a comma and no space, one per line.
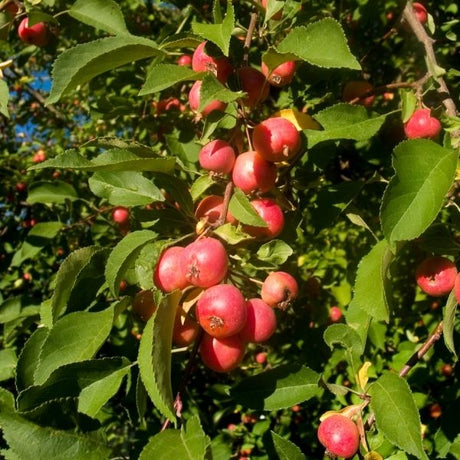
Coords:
39,157
185,329
168,274
217,156
210,208
457,288
335,314
34,35
222,310
203,62
279,289
422,125
260,323
254,84
271,213
276,139
261,358
222,355
204,262
194,101
281,75
143,305
185,60
436,275
252,173
420,12
339,435
358,89
120,215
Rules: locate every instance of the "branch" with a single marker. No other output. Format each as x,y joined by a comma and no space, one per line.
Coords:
227,196
248,39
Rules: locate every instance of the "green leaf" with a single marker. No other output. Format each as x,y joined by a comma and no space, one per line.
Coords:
231,234
29,441
425,172
94,382
243,211
372,286
28,359
146,262
82,63
344,121
4,96
78,279
275,252
278,388
100,14
109,161
286,449
408,103
73,338
308,44
51,192
220,33
347,338
17,307
396,413
38,237
212,89
188,443
125,188
162,76
155,355
450,311
123,256
180,40
8,361
201,185
359,320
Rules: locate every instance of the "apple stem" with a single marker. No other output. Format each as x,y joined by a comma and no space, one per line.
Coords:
227,195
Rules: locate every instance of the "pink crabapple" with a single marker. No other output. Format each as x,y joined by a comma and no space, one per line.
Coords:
222,355
339,435
217,156
279,289
436,275
422,125
168,274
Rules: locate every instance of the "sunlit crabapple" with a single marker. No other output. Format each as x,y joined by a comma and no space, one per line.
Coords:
335,314
281,75
220,66
39,156
217,156
420,12
27,276
34,35
222,355
143,305
194,101
252,173
339,435
168,104
457,288
260,322
436,275
185,60
261,357
204,262
277,16
168,274
276,139
120,215
254,84
222,310
279,289
269,210
185,329
422,125
358,89
210,208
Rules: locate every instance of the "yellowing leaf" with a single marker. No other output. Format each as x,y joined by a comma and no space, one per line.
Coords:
362,376
299,119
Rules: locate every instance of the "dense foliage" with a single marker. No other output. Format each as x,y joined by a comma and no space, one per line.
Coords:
101,172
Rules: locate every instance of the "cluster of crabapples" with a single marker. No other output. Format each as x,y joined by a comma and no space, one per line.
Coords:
212,309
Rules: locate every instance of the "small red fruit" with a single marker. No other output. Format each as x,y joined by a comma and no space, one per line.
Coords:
281,75
21,187
279,289
436,275
210,208
194,101
339,435
260,323
217,156
120,215
143,305
168,274
420,12
261,358
222,355
204,262
276,139
167,104
39,157
254,84
202,62
185,329
335,314
359,89
271,213
457,288
422,125
435,410
222,310
27,277
252,173
185,60
34,35
447,370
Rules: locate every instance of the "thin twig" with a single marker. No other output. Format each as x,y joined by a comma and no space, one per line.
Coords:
227,195
248,39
